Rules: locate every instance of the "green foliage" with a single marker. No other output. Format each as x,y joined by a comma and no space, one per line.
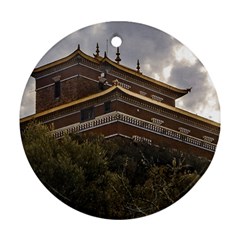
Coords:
110,178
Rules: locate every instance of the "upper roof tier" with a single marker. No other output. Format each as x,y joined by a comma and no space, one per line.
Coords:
99,60
129,93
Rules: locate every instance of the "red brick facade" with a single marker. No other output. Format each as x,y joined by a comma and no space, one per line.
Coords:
79,77
80,93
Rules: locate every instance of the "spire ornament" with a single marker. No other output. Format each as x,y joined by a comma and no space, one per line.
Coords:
118,59
138,66
97,51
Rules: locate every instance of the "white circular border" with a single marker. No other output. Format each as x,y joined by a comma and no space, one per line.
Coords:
207,211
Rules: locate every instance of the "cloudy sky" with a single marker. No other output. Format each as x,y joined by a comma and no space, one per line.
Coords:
161,56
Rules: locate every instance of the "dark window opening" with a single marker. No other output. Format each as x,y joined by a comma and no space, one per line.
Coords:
57,89
87,114
107,107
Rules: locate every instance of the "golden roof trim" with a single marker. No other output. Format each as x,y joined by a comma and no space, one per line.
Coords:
100,59
66,105
178,110
65,59
138,74
128,92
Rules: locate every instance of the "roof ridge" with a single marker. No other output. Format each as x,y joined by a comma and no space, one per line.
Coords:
99,59
141,75
175,109
133,94
66,105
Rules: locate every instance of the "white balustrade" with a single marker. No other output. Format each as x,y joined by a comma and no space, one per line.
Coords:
125,118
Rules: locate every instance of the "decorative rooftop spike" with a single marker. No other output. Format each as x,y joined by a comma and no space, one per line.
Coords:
97,51
105,54
78,48
138,66
118,59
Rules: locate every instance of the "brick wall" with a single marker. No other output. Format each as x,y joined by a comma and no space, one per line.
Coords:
73,87
156,139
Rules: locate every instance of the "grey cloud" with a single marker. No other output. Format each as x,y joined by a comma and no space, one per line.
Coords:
139,42
194,76
28,99
155,50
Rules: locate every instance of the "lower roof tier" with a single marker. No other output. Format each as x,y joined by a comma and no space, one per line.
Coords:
136,100
120,124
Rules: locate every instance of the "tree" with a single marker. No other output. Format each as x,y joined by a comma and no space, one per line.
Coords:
110,178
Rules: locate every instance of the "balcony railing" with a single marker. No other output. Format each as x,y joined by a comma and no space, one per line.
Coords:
136,122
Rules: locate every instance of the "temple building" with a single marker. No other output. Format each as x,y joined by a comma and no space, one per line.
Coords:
80,93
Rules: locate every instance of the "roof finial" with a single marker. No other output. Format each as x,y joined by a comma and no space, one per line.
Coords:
138,66
97,51
189,89
118,59
78,48
105,54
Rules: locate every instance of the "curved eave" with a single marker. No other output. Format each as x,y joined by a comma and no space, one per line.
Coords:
65,59
180,92
174,109
130,93
66,105
99,59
